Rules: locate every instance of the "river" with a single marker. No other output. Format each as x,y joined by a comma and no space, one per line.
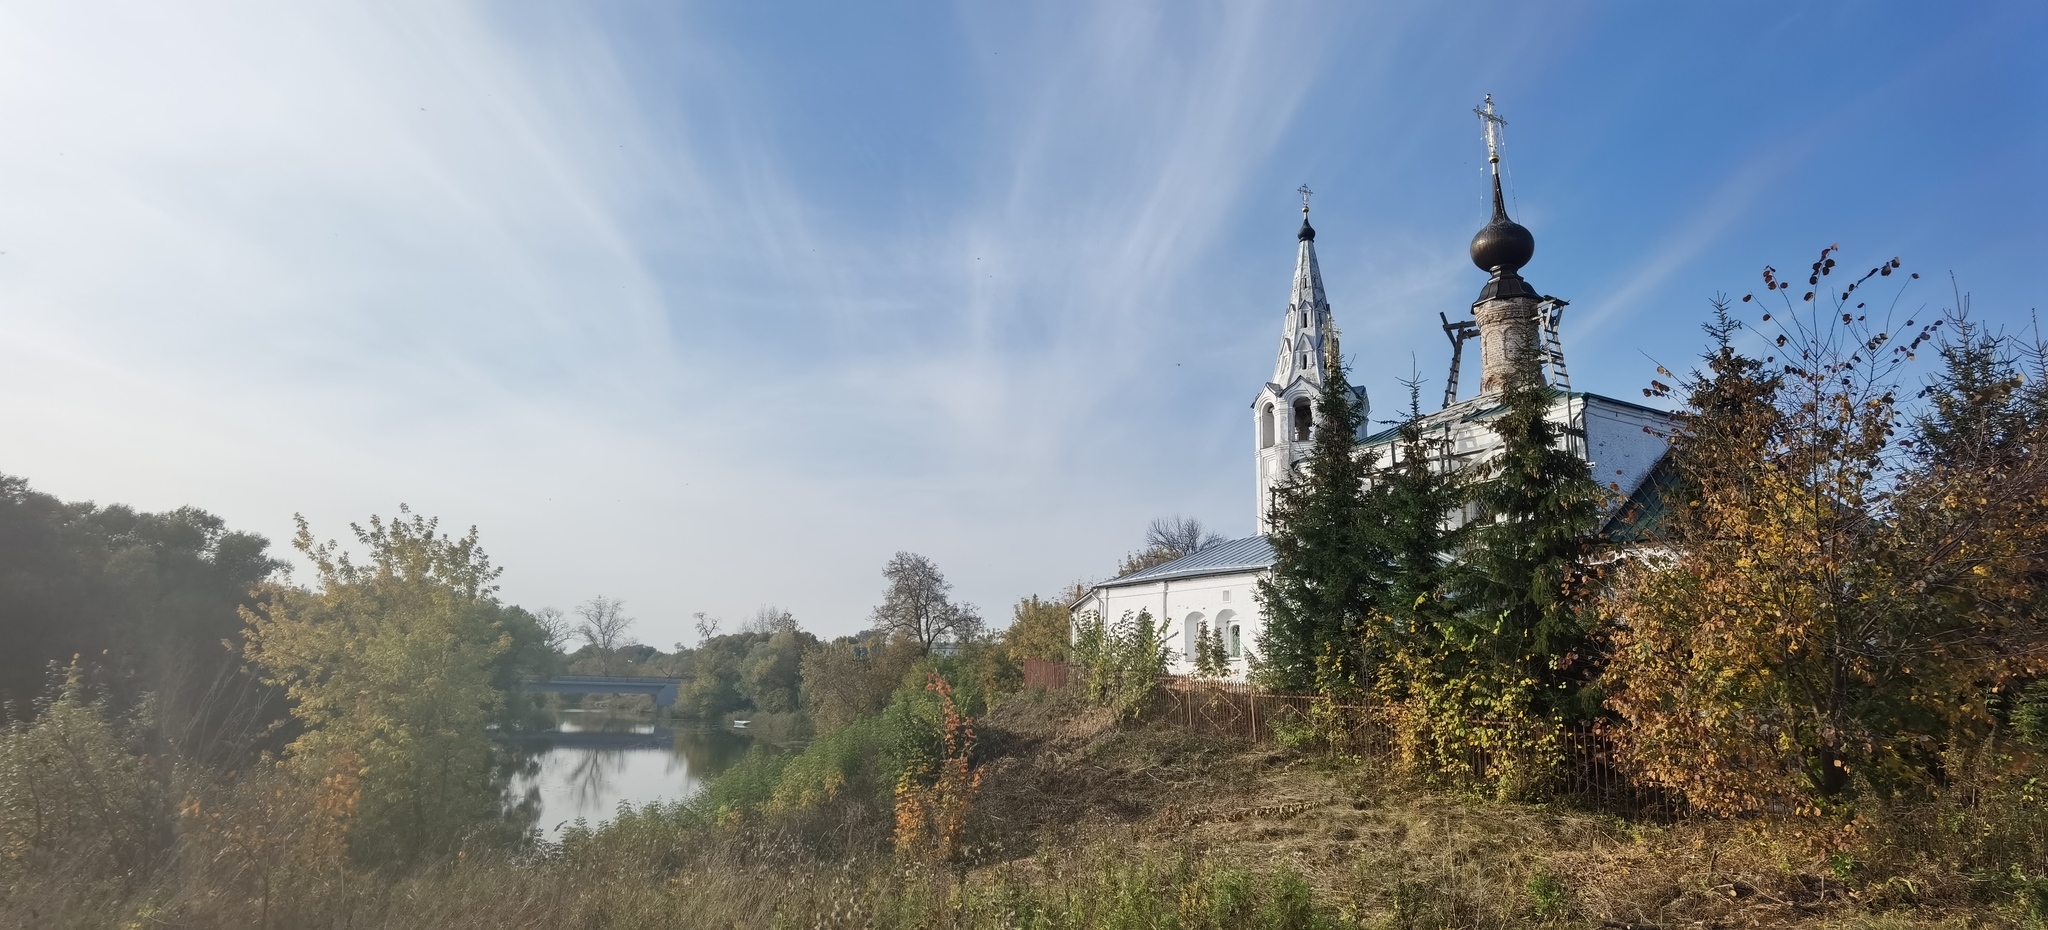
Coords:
593,761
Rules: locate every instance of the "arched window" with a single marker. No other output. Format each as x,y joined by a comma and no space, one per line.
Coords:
1304,361
1191,630
1236,642
1266,427
1304,418
1304,319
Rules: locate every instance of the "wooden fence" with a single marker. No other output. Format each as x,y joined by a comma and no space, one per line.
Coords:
1042,675
1373,734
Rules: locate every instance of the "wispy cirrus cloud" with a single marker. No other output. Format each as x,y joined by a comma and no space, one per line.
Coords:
708,306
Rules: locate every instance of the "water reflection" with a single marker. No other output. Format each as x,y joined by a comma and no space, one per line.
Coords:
593,762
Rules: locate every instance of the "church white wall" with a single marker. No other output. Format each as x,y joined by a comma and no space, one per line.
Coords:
1224,600
1623,444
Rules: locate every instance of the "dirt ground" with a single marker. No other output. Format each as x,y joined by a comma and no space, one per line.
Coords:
1062,776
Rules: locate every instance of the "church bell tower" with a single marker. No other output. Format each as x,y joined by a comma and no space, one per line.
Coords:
1284,412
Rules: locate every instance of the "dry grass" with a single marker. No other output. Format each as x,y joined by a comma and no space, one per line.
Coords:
1087,823
1387,852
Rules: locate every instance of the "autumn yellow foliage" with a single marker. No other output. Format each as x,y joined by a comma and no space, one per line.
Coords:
1831,602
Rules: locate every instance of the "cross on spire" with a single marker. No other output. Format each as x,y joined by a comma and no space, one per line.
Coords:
1493,124
1304,192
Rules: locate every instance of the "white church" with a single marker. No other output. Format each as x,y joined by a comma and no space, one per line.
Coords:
1623,442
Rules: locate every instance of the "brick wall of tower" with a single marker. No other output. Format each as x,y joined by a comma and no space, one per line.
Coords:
1507,340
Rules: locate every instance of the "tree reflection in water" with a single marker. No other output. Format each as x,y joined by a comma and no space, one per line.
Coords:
592,763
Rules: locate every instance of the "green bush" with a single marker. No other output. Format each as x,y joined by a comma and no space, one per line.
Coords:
1548,897
78,796
1125,659
844,762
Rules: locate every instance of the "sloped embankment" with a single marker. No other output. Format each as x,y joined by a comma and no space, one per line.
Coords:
1061,777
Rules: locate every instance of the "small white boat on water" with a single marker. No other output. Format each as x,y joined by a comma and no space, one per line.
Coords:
740,724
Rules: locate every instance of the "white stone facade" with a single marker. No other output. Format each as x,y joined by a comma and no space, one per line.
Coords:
1227,601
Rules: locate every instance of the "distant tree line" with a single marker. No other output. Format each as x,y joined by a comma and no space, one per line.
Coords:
147,601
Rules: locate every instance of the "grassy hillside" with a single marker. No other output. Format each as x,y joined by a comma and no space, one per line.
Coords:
1085,822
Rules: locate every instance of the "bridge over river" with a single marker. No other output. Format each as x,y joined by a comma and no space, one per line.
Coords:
662,690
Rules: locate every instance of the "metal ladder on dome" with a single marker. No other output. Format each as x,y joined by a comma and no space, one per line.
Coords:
1457,332
1549,314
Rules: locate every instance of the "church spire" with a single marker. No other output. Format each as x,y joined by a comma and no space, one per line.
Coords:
1284,412
1303,334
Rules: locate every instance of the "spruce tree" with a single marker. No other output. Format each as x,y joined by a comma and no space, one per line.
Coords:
1527,567
1412,498
1328,572
1979,411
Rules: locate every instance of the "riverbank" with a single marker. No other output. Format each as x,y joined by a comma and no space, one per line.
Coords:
1081,821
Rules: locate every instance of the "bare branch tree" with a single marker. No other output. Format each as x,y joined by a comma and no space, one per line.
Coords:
1179,535
604,627
554,626
707,626
916,607
770,619
1169,538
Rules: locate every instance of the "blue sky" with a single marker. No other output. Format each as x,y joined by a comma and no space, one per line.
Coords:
711,306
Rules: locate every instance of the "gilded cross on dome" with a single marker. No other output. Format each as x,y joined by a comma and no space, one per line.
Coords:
1493,124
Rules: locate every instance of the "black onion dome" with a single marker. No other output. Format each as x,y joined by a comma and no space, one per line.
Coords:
1308,233
1503,245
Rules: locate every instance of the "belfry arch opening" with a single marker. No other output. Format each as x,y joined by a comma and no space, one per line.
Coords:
1266,427
1304,419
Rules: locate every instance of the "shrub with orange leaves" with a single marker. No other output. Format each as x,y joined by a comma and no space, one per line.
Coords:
933,797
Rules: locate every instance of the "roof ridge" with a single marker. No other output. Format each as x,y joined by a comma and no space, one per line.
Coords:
1231,555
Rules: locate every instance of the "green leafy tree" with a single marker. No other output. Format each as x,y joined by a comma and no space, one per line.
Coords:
1042,629
714,675
771,676
389,664
1328,571
149,597
529,655
849,678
